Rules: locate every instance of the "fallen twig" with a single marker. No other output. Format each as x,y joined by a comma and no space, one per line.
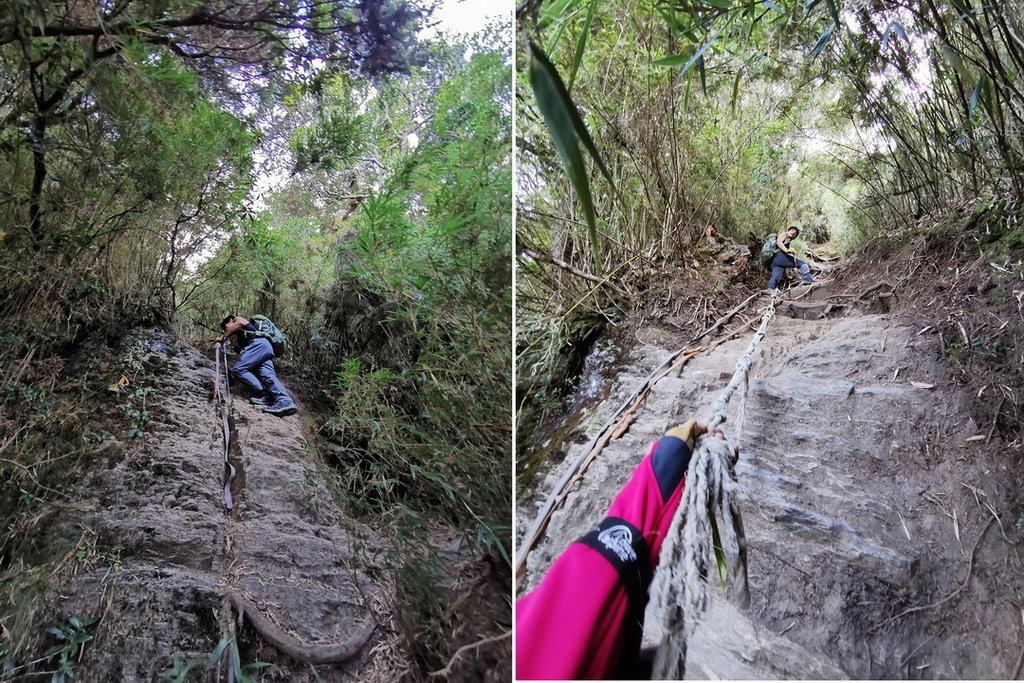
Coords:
458,653
917,649
725,318
544,258
995,420
911,610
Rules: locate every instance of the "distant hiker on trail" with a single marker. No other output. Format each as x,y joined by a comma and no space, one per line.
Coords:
585,619
786,258
256,352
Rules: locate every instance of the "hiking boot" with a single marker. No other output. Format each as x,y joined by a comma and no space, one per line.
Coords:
260,401
281,408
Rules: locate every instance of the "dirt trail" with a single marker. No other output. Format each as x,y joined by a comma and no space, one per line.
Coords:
159,510
863,497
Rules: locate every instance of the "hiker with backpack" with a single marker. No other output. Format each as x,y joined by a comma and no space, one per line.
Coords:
586,617
258,342
777,255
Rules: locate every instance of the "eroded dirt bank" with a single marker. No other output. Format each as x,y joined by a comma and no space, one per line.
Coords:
867,484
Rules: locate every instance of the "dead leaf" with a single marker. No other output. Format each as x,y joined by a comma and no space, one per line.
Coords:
116,386
979,437
923,385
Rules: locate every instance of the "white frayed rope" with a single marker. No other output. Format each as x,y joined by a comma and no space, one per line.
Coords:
709,508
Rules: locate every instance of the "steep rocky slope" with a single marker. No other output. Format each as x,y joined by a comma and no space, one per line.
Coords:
866,484
169,571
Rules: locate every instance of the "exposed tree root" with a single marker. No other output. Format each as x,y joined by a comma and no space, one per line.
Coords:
921,608
328,653
465,648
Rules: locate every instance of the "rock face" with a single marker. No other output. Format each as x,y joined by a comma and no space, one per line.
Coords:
863,493
179,556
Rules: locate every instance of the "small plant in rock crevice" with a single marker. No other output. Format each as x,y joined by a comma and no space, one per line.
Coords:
72,637
180,668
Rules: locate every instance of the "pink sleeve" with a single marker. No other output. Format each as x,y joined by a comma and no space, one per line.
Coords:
574,624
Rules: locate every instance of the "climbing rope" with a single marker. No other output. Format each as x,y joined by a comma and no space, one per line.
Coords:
223,396
707,524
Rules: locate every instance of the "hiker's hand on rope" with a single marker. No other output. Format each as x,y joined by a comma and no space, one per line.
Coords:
692,429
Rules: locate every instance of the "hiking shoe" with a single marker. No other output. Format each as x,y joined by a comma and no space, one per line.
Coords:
259,401
281,409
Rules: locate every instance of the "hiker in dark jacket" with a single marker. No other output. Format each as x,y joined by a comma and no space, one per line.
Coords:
786,258
257,354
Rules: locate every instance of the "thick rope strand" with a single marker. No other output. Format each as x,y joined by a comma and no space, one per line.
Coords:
680,586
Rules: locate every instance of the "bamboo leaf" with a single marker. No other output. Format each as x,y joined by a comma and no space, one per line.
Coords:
564,124
581,43
721,4
553,12
834,11
574,115
236,662
735,90
953,58
810,5
686,95
214,657
673,20
703,76
894,28
772,6
562,26
819,47
716,544
676,60
982,82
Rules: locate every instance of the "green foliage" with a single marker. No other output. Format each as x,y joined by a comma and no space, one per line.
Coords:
338,134
385,260
568,131
180,667
426,425
421,606
71,639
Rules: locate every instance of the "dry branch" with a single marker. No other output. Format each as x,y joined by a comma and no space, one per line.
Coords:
573,270
949,596
465,648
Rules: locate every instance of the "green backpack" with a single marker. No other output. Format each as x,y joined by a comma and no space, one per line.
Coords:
768,250
268,330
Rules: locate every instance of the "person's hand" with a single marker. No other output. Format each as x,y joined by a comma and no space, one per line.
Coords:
690,430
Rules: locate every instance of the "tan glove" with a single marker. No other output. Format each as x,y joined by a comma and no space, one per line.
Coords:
691,429
686,432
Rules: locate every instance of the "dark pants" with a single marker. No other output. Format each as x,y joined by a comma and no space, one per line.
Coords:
258,355
782,261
